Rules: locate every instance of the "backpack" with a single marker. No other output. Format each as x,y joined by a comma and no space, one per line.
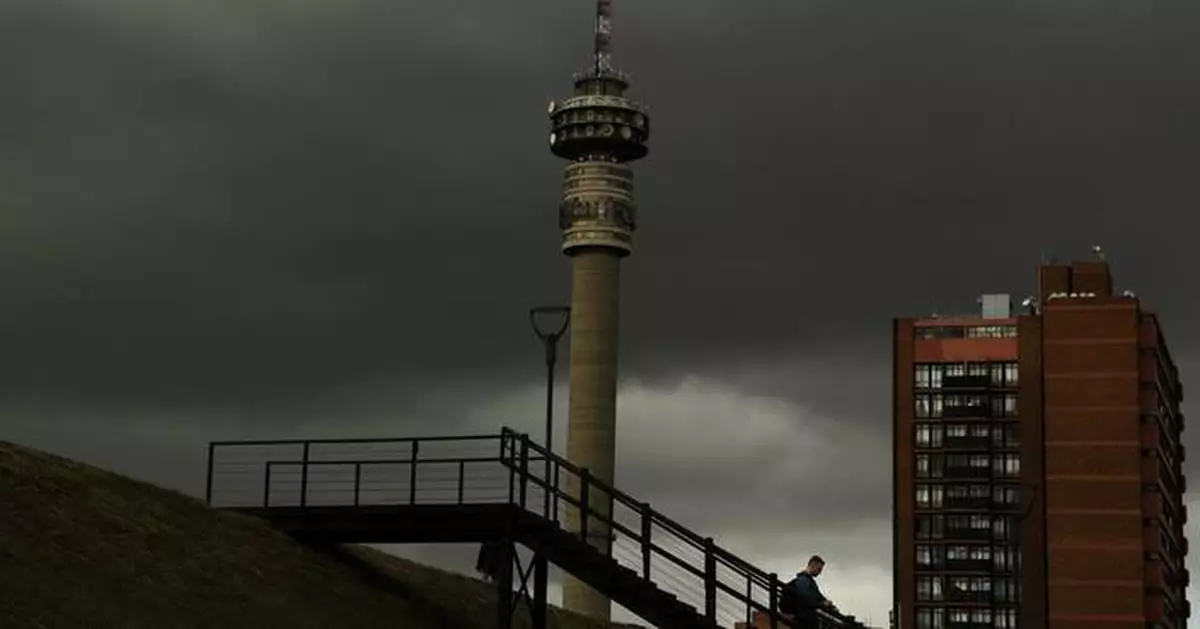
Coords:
787,602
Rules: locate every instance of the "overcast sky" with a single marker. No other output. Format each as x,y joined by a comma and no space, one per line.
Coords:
275,218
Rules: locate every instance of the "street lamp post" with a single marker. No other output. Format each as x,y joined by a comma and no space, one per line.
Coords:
549,323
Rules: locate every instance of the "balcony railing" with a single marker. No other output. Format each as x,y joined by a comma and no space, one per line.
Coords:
968,502
967,534
967,443
966,596
967,471
966,410
966,382
969,565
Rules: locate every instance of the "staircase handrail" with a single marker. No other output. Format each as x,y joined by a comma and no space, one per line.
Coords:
518,459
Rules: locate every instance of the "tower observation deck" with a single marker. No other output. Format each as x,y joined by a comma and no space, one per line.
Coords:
600,131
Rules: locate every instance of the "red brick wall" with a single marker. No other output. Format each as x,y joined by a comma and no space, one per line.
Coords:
1032,429
1093,463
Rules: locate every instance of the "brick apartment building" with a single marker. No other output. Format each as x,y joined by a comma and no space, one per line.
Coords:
1038,465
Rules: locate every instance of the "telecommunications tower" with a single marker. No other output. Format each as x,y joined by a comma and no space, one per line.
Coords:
599,131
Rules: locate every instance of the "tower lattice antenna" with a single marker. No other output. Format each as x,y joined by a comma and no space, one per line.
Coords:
603,46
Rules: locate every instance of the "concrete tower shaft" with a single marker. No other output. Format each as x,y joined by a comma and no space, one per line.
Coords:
591,433
599,130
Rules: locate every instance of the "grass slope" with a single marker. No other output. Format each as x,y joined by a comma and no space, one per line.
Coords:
83,547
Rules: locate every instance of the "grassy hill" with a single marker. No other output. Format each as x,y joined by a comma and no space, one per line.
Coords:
83,547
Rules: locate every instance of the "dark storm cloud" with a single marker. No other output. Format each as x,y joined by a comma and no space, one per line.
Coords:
241,205
272,219
180,235
886,160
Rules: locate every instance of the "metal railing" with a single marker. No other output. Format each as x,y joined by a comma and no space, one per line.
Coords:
716,572
506,468
356,472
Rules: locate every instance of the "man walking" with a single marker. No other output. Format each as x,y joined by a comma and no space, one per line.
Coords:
802,598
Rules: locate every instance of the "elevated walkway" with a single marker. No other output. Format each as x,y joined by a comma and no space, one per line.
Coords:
504,490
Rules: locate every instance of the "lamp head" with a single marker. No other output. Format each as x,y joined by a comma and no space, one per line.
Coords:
549,322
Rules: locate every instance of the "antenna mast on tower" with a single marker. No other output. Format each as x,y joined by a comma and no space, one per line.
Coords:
603,46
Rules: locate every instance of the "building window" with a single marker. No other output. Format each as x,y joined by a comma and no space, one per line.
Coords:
931,618
974,402
1006,465
930,496
1004,405
977,461
930,466
970,332
1005,558
1001,527
991,331
977,615
929,436
924,555
935,376
962,492
1002,495
1006,437
975,522
977,369
1004,374
921,376
1004,591
963,552
964,430
970,585
930,556
928,405
929,588
1005,619
931,526
954,369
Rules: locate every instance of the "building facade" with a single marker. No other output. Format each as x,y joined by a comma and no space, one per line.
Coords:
1037,464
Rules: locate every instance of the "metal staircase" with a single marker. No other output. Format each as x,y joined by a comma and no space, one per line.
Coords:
505,490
